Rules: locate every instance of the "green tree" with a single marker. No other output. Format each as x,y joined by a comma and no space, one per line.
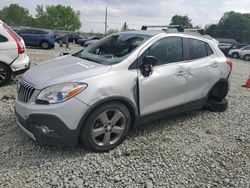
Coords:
232,25
111,31
57,17
16,15
185,21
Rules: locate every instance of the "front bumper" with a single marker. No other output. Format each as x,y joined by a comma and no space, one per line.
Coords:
54,125
58,133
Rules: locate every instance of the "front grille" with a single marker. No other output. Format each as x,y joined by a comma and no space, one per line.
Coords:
25,91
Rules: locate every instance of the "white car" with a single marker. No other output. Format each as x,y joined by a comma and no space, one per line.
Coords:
240,53
13,57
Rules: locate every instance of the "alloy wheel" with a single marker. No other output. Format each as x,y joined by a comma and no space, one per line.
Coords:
108,127
247,57
3,74
45,45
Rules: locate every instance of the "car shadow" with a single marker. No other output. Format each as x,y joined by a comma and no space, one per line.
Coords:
35,154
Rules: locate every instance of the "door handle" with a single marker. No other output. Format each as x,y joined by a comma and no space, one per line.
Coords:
215,64
180,73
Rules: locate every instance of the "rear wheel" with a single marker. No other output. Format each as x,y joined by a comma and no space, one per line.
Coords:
44,45
5,74
247,57
106,127
217,106
235,55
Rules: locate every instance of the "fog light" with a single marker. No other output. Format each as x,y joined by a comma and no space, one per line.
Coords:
44,129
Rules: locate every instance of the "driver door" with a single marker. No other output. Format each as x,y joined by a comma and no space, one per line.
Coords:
166,86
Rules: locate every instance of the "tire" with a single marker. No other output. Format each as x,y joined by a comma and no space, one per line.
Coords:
235,55
44,45
5,74
217,106
99,133
247,57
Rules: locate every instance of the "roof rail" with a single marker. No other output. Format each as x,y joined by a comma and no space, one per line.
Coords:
199,30
179,28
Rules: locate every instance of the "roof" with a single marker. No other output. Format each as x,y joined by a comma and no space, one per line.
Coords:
226,40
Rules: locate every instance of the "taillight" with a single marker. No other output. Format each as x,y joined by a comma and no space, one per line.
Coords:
20,47
230,63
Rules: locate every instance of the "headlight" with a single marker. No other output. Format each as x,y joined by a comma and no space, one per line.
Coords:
60,92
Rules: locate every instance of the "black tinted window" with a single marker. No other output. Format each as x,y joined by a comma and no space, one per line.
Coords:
167,50
3,39
40,32
197,49
247,48
26,31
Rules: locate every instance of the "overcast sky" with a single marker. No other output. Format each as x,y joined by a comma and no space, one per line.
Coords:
141,12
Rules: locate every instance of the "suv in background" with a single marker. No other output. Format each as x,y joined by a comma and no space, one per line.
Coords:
240,53
84,40
71,38
13,57
38,38
98,95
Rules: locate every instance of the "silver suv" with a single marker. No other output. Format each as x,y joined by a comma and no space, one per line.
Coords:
95,97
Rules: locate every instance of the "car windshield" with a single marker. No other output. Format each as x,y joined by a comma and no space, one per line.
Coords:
114,48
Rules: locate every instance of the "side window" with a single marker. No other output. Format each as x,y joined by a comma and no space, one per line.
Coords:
247,48
3,39
167,50
209,50
26,31
40,32
197,49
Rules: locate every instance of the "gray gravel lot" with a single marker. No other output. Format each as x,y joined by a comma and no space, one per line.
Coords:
194,149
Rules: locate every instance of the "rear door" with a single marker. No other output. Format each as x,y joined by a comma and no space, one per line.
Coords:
167,85
28,36
204,68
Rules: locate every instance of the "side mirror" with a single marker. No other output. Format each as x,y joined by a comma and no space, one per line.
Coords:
147,65
152,60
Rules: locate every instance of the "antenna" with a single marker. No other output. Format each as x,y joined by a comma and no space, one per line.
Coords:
106,20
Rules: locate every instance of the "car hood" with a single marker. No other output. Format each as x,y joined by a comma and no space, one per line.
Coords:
63,69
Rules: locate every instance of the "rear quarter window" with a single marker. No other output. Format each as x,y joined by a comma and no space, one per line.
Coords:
198,49
3,39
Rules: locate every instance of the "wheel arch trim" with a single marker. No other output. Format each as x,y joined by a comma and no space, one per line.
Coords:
133,109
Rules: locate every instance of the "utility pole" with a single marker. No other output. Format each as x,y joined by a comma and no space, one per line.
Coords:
106,20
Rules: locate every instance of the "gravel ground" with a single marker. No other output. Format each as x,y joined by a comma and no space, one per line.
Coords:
194,149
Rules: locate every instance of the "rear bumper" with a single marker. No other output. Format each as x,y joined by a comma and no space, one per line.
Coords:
21,64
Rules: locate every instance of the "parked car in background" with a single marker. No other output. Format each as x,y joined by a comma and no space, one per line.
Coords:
71,38
236,53
225,48
245,54
13,57
238,45
99,94
38,38
88,43
82,41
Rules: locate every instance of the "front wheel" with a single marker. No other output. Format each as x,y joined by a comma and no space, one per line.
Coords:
106,127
